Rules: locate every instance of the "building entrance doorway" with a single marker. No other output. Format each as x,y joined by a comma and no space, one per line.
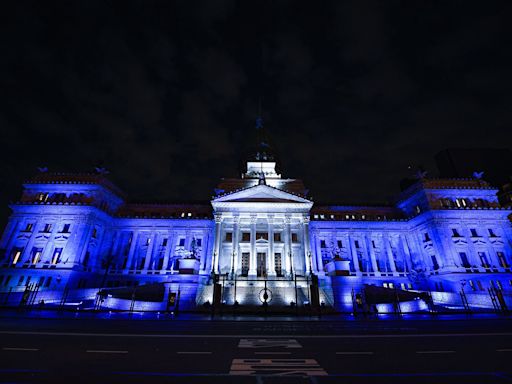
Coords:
261,262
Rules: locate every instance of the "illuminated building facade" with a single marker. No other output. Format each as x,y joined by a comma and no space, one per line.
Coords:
263,240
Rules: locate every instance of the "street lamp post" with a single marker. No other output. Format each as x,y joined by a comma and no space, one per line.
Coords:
233,265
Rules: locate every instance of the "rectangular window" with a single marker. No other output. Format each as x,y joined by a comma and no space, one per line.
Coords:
47,228
20,281
322,244
480,286
246,236
245,263
278,264
16,255
483,259
474,233
464,260
199,242
41,281
502,260
29,227
56,256
277,237
427,237
94,233
356,243
181,242
435,264
148,241
261,236
455,233
491,233
339,243
7,280
36,255
65,228
164,242
472,285
295,238
229,236
28,280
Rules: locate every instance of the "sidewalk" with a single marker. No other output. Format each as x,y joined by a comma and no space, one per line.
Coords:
152,316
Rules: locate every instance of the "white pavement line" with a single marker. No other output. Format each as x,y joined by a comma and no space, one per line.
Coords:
268,343
504,350
272,353
102,351
20,349
434,352
194,353
355,353
203,336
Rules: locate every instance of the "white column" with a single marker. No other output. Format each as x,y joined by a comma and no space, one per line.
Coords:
289,246
271,264
167,251
9,234
28,249
407,254
424,256
234,259
131,252
149,252
252,263
308,257
355,257
371,251
115,250
216,249
318,254
389,252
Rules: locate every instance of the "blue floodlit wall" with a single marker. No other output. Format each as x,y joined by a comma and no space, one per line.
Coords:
70,236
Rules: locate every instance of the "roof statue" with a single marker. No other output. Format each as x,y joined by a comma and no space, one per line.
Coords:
478,175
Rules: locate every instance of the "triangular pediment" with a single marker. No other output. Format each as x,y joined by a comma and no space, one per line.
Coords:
261,193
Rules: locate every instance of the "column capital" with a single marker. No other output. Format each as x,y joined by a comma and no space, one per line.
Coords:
218,218
254,218
287,219
236,219
305,220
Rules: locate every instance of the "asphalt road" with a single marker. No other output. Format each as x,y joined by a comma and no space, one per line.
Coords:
302,350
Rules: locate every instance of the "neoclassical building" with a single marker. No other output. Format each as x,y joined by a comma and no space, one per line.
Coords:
73,239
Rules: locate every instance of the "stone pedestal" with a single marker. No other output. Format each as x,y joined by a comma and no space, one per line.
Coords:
338,267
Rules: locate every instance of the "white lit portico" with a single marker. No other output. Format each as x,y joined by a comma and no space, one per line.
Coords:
262,231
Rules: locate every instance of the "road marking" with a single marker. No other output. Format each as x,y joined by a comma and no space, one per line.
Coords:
504,350
269,343
194,353
20,349
272,353
434,352
354,353
203,336
103,351
277,367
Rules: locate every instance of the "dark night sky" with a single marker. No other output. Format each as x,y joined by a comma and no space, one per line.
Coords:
165,94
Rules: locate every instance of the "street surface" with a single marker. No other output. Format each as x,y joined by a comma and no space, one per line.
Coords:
188,349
